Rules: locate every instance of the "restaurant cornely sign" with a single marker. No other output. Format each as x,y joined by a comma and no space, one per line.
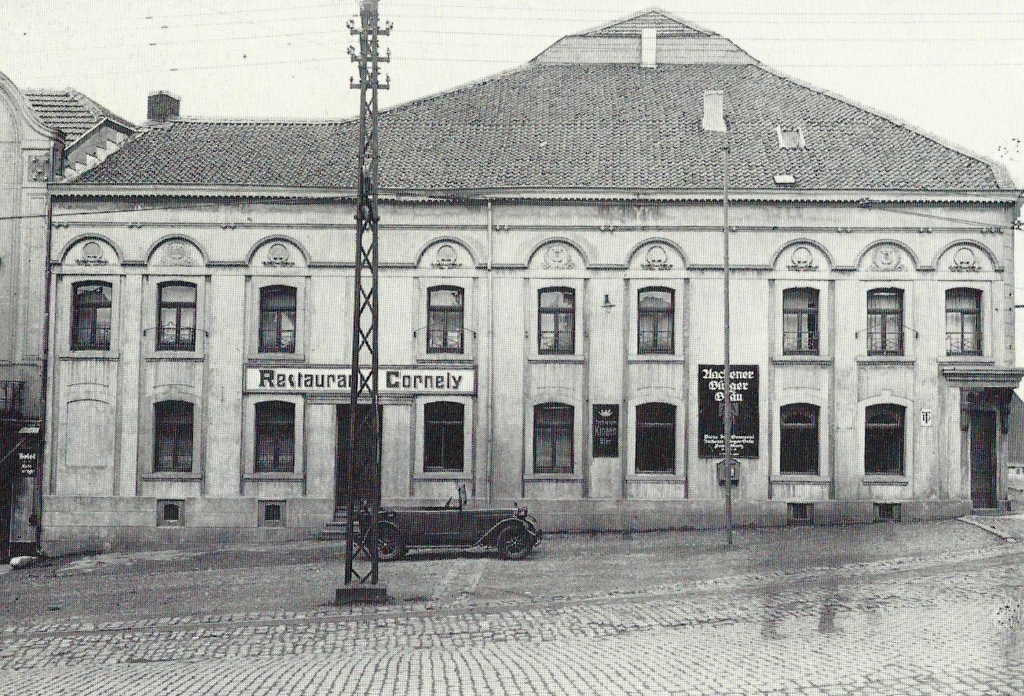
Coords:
711,411
393,380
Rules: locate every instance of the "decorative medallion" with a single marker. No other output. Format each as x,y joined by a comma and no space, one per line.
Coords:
92,255
39,168
177,254
963,260
278,254
446,257
802,259
657,259
558,256
887,258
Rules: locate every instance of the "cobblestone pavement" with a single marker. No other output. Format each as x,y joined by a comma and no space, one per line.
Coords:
947,622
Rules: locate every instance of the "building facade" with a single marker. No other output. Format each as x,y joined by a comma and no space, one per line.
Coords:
551,303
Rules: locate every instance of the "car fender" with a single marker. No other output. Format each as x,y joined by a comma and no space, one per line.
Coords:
491,536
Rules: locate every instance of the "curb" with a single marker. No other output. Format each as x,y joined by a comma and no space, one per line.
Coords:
988,528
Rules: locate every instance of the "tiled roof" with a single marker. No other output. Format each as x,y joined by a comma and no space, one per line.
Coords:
666,24
612,125
71,111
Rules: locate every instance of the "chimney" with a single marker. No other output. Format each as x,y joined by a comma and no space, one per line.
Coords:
162,106
648,48
714,116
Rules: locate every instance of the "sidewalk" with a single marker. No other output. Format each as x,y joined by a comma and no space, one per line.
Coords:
302,577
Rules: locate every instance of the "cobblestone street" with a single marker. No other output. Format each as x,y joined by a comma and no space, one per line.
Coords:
881,609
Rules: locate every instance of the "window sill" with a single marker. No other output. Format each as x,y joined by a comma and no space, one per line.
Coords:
656,358
90,355
171,476
966,360
802,360
884,360
557,359
275,358
442,476
801,478
569,478
885,480
464,358
180,355
274,476
655,478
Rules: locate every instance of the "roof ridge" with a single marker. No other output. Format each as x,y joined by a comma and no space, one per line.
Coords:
999,171
214,120
652,9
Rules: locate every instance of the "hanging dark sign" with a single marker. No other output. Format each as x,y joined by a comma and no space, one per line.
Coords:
711,411
606,430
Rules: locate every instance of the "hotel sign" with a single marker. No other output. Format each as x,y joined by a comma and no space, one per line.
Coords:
331,380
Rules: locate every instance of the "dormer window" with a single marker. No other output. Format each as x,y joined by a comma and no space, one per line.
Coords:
790,137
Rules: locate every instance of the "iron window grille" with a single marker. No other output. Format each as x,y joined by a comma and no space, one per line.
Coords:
443,436
556,321
655,321
800,321
12,395
883,439
275,437
798,447
552,439
445,320
885,322
963,321
176,316
172,430
656,438
277,319
91,316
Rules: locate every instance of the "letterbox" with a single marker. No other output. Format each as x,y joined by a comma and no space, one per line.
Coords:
734,471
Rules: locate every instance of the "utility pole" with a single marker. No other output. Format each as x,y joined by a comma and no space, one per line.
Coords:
364,465
727,412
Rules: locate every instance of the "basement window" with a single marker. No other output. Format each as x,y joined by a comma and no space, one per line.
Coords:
169,513
887,512
790,137
800,513
271,513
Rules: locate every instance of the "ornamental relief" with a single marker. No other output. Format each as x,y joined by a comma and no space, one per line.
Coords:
656,259
177,253
887,257
558,256
802,259
964,261
446,256
91,254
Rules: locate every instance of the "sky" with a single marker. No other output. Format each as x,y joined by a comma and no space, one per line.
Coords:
954,68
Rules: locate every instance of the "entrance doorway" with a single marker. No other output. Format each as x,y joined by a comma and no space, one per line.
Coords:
983,459
344,451
8,462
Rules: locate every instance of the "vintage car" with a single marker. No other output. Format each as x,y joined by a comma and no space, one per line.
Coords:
512,531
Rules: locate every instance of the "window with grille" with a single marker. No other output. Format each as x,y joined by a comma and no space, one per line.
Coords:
275,436
655,321
885,322
800,321
443,436
172,434
277,319
176,316
556,321
553,439
963,321
883,439
91,316
444,320
655,438
798,447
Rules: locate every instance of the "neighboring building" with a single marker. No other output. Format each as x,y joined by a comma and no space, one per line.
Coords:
551,307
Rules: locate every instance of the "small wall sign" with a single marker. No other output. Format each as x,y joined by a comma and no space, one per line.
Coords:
606,430
926,418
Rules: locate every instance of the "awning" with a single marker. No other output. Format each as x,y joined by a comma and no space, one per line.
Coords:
983,376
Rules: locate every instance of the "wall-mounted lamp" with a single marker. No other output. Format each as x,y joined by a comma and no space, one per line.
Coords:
607,304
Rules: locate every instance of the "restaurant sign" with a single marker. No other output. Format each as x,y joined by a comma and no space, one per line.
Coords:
329,380
711,411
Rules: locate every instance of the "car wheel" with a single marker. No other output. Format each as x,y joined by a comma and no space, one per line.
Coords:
389,542
513,543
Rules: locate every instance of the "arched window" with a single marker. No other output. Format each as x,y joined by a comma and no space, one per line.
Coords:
655,438
275,436
556,321
277,319
883,439
552,439
176,316
798,447
800,321
444,320
655,321
443,436
172,436
885,322
91,316
963,321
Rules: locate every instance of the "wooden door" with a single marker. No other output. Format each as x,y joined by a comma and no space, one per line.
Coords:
983,459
